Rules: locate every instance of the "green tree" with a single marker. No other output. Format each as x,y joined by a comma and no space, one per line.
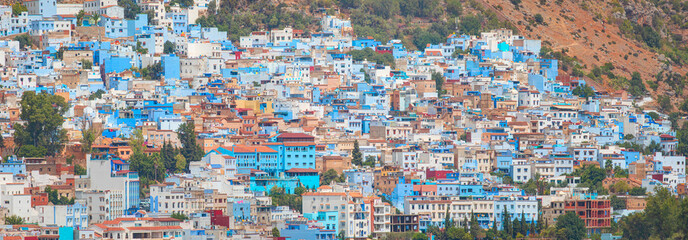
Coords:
212,7
14,220
471,24
475,229
683,217
617,203
281,198
653,147
620,172
619,187
524,224
96,95
179,216
635,227
654,116
136,141
628,137
540,224
79,170
31,151
152,72
88,136
608,167
95,19
507,180
24,41
661,213
190,149
168,153
665,217
140,49
42,132
454,8
423,37
439,83
356,156
18,8
637,191
591,176
651,37
539,19
80,17
327,177
157,168
300,190
583,91
86,64
275,232
55,199
570,226
169,47
180,163
150,168
456,233
664,103
370,161
372,56
506,223
419,236
130,8
636,86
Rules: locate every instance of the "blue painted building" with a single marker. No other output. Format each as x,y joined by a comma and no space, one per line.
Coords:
300,230
13,165
261,182
241,209
329,219
171,67
307,177
116,64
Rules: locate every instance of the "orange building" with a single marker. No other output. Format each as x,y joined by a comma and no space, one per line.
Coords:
595,213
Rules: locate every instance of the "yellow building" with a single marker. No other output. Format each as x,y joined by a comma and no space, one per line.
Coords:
258,107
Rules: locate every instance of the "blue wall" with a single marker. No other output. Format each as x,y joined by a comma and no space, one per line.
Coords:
170,65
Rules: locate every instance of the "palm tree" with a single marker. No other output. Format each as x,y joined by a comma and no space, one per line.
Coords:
80,17
95,18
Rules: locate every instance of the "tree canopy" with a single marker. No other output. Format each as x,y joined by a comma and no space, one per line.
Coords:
583,91
665,217
41,133
280,198
570,226
169,47
372,56
190,149
636,86
14,220
179,216
356,156
329,176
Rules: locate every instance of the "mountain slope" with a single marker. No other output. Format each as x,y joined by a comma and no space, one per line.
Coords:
593,40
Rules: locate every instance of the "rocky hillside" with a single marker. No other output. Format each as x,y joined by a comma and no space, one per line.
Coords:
606,41
625,36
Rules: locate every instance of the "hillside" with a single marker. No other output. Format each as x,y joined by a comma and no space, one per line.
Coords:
606,41
570,28
590,32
